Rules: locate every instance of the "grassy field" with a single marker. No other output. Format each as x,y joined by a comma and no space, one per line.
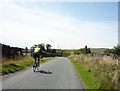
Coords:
11,66
93,50
99,73
97,50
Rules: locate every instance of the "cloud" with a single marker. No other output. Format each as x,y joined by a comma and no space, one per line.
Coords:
23,26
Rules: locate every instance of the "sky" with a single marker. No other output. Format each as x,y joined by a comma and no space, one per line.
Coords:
67,25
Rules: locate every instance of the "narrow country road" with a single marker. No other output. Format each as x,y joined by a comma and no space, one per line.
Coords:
55,74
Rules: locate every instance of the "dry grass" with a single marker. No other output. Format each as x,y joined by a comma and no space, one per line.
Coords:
104,69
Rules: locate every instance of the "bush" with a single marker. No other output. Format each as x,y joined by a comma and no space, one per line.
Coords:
77,53
115,50
85,50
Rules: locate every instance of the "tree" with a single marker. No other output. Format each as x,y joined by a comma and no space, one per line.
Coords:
117,50
88,50
26,50
34,46
85,50
48,46
41,46
53,51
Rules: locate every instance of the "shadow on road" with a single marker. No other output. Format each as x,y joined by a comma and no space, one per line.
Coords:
44,72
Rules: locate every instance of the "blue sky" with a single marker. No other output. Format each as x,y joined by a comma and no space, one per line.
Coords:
64,24
87,11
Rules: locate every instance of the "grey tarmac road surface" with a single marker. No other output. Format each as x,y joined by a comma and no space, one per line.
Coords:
55,74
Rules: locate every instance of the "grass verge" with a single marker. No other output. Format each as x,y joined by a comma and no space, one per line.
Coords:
12,66
83,73
97,73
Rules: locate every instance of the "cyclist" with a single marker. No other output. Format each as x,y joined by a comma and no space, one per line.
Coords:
36,54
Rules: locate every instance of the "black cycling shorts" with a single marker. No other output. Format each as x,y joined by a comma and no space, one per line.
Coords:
36,54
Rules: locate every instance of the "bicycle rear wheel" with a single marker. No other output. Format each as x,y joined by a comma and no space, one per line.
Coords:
34,66
38,66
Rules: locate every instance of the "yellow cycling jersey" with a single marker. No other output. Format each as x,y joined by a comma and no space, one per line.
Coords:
37,50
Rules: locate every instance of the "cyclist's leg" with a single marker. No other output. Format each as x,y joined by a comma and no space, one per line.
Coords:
38,61
38,57
34,62
34,59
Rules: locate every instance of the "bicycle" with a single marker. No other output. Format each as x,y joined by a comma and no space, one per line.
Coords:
35,65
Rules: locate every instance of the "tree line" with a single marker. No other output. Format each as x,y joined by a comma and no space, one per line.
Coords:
47,50
16,52
9,52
